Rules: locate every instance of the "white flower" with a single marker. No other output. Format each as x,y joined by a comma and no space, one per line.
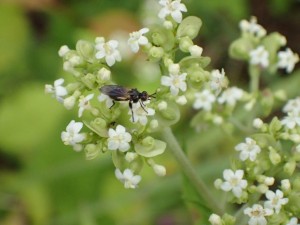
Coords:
109,51
275,200
218,80
259,56
249,149
136,39
215,219
231,96
287,60
293,221
252,27
128,178
57,90
102,97
204,100
72,136
173,8
140,115
84,103
291,121
118,139
293,105
234,182
175,81
257,214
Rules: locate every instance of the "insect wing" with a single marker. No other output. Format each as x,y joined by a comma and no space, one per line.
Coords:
116,92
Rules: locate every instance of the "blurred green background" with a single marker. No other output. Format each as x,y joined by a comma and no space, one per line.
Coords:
44,182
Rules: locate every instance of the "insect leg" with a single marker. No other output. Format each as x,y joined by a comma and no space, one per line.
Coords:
130,106
143,106
112,104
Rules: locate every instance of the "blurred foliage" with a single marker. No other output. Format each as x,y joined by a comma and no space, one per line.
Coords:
45,182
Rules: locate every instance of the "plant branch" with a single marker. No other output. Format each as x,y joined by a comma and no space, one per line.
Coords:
189,171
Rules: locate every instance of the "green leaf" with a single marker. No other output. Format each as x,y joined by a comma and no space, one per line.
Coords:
190,27
156,147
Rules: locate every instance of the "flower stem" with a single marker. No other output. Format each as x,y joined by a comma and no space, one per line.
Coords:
254,73
189,171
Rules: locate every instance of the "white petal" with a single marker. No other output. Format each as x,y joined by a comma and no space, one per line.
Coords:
110,60
166,81
124,146
143,40
226,186
59,82
112,145
228,174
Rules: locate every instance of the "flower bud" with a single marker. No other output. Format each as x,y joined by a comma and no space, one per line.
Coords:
218,183
215,219
89,80
162,105
195,50
181,100
156,53
269,181
103,75
148,141
99,126
168,24
159,170
130,156
174,68
285,185
257,123
63,50
290,167
150,147
262,188
91,151
274,156
85,49
69,102
185,43
154,124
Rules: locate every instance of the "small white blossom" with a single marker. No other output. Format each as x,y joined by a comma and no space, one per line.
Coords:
204,100
58,91
234,182
218,80
136,39
175,80
291,120
252,27
293,105
104,74
109,51
275,200
84,104
231,96
293,221
257,214
195,50
118,139
249,149
215,219
72,135
287,60
140,115
163,105
259,56
173,8
130,156
102,97
63,50
128,178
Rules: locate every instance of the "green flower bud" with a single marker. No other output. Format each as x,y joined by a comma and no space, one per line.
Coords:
86,50
150,147
91,151
72,87
228,219
289,167
89,80
69,102
185,43
99,126
162,37
155,53
189,26
294,202
197,77
240,48
274,156
267,102
103,75
296,184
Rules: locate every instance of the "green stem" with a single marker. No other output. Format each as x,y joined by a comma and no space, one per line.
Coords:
189,171
254,73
